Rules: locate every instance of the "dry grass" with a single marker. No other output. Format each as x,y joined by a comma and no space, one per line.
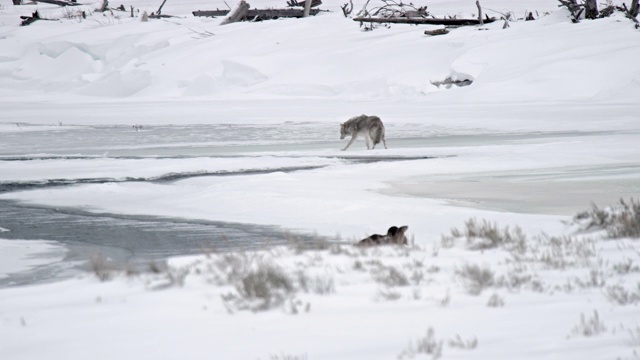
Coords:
100,266
483,235
288,357
619,221
476,278
389,276
589,327
495,301
618,295
427,345
263,287
458,343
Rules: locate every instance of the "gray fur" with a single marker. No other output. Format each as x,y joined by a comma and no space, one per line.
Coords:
370,126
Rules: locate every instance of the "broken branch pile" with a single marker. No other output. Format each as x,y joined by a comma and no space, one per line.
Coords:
259,14
392,12
243,12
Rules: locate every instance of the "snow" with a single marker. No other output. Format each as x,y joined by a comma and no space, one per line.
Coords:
548,126
21,255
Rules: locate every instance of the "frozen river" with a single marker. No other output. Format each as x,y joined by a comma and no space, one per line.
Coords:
38,162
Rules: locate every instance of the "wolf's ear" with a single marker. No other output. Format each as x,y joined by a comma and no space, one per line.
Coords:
402,229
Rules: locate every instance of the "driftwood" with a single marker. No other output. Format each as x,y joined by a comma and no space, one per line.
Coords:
574,8
58,2
436,32
632,13
449,82
257,14
634,10
28,20
393,9
591,9
237,14
104,6
307,8
425,21
159,12
347,8
314,3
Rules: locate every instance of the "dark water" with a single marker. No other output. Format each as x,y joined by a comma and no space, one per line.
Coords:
135,241
127,240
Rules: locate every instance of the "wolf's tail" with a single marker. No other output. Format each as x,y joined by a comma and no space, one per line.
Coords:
376,133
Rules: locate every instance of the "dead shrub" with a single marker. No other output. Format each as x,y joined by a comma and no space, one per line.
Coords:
476,278
483,235
620,221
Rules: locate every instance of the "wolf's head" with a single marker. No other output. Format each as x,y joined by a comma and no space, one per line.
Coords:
397,235
343,131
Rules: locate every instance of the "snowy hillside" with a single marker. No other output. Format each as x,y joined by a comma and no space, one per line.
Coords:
181,124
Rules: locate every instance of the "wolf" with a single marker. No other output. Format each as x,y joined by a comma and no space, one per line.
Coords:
370,126
395,236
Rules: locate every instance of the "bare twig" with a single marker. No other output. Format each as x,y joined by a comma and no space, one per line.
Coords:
393,9
159,12
574,8
346,10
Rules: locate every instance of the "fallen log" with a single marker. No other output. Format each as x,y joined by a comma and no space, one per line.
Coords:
436,32
28,20
58,2
256,14
314,3
425,21
161,16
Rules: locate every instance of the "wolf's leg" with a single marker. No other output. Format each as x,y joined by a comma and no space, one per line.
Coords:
384,142
353,138
368,140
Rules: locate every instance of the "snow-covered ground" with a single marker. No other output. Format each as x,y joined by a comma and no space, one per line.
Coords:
144,119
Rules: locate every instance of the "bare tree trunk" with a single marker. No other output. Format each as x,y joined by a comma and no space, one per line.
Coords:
307,8
104,6
573,7
635,9
237,14
479,13
591,9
